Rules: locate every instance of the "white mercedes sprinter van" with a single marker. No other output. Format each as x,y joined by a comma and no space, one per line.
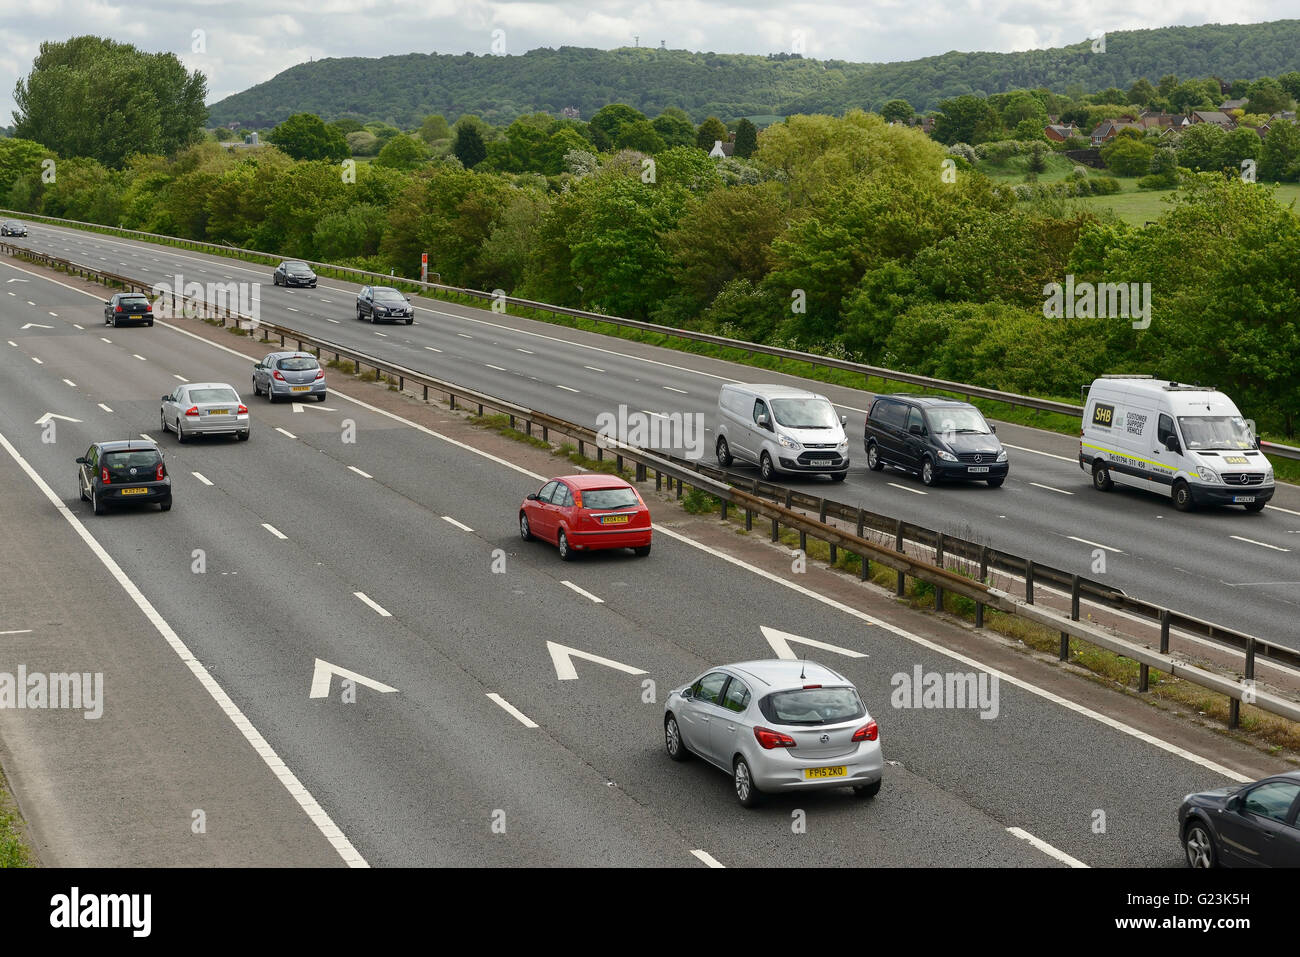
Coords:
781,429
1189,442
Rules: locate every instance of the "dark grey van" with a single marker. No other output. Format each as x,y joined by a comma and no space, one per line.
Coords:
935,437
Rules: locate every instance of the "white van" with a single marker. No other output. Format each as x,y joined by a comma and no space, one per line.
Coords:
1189,442
781,429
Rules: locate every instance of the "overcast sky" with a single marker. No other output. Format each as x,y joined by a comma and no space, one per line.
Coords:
244,42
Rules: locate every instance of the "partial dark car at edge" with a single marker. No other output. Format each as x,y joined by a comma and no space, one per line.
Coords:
1243,825
935,437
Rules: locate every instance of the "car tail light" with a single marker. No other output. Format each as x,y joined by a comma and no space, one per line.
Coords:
277,375
148,308
161,473
192,410
243,410
119,308
868,732
103,476
320,373
769,739
577,498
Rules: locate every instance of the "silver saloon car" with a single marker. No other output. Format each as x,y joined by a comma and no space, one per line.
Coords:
776,726
294,375
205,408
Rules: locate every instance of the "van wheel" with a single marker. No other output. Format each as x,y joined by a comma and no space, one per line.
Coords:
1255,506
724,453
839,476
927,472
873,458
1182,496
765,468
1101,477
997,482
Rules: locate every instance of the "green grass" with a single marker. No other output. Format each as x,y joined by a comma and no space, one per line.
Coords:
14,852
1137,207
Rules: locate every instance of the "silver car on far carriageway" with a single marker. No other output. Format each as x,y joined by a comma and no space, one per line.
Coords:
776,726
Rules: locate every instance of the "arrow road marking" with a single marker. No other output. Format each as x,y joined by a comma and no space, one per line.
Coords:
35,325
561,656
324,671
298,407
780,642
54,415
17,280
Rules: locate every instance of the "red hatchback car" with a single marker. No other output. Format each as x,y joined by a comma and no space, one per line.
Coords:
586,513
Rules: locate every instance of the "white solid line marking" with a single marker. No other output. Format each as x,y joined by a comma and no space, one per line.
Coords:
178,376
432,349
359,472
104,407
140,357
70,382
19,631
464,335
335,321
583,592
527,352
1059,491
1046,848
384,334
372,603
511,710
205,480
1050,455
1095,544
1279,508
286,777
491,366
463,527
270,528
566,388
706,857
593,369
285,432
1276,548
109,341
908,488
671,389
37,361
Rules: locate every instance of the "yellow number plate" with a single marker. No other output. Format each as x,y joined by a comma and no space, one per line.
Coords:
135,491
218,411
302,388
811,773
1236,459
613,519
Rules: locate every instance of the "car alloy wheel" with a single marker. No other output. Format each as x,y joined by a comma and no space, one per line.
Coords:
724,452
162,421
1199,847
673,740
743,782
180,432
927,473
524,531
566,553
873,458
96,504
765,467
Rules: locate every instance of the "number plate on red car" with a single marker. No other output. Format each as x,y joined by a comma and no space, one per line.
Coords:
614,519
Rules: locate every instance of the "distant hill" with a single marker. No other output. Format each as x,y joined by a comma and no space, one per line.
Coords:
403,89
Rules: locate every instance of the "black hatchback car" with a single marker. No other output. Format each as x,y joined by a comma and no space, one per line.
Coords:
123,473
384,302
11,227
294,272
128,307
935,437
1250,825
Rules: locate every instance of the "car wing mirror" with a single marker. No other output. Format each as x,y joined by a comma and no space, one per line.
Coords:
993,429
166,398
81,460
844,420
1171,444
688,693
762,420
532,497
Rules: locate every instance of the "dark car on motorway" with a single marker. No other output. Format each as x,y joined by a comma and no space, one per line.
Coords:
1243,825
11,227
124,473
128,307
935,437
384,302
294,272
297,375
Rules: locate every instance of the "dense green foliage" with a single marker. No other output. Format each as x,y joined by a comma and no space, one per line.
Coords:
403,89
93,97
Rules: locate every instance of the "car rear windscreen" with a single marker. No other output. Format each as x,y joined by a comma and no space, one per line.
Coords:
812,706
131,459
214,395
596,498
134,298
297,364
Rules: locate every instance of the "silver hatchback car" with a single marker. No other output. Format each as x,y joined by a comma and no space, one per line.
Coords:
296,375
205,408
776,726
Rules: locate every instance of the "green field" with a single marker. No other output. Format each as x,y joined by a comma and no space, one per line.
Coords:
1138,206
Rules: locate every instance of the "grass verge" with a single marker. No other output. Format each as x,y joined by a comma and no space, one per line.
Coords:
14,851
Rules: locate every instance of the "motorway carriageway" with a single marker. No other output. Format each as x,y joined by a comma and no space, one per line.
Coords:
1223,565
376,557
